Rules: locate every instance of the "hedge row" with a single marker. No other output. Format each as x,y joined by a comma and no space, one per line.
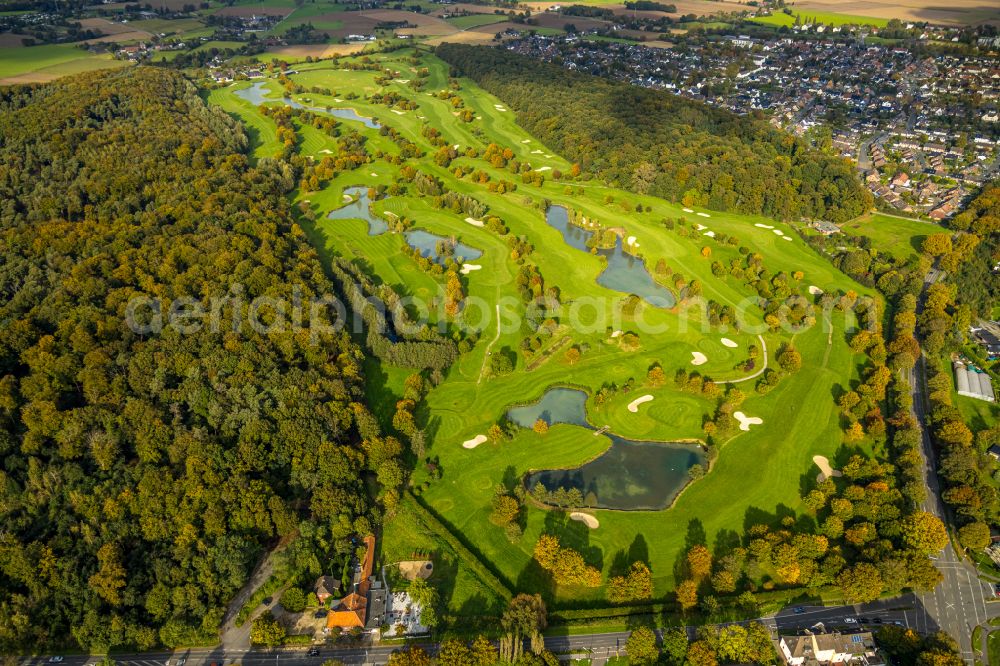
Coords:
467,556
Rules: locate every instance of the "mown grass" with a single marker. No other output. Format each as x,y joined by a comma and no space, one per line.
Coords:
759,475
54,58
900,236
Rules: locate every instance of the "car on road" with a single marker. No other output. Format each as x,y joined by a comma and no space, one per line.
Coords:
850,620
799,610
877,620
313,652
864,620
55,660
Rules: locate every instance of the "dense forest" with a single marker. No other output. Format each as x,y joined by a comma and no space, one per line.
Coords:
979,224
144,473
654,142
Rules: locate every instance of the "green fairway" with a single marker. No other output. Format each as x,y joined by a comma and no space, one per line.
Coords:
759,474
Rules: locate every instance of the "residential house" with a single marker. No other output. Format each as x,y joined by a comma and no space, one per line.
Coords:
326,587
818,647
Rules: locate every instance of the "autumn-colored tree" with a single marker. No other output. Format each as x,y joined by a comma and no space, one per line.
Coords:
699,562
540,426
687,594
936,244
701,653
924,532
861,583
636,585
410,656
641,647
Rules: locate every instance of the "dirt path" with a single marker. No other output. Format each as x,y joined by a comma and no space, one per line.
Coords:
486,356
233,637
763,349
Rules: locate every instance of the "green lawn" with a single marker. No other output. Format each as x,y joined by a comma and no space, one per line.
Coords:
993,646
758,475
780,18
900,236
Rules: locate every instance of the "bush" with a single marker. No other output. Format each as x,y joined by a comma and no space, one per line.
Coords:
293,600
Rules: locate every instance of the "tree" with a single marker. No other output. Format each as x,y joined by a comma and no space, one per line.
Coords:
293,600
974,536
861,583
675,645
641,647
540,426
699,561
267,631
701,653
454,652
687,595
410,656
924,532
636,585
789,358
936,245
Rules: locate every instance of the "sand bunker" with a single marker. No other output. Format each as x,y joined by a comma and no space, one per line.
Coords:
630,240
544,169
585,518
398,112
786,238
698,358
814,290
777,232
747,421
710,234
536,152
326,151
526,141
468,268
825,471
373,174
474,222
474,442
414,569
763,226
703,215
347,197
687,210
729,343
634,405
699,227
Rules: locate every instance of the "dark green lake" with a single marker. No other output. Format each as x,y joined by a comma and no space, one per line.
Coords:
631,475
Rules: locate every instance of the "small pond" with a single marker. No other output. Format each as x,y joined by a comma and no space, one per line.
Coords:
631,475
358,210
430,246
624,273
258,94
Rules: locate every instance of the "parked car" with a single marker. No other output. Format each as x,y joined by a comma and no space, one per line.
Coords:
877,620
864,620
314,652
850,620
799,610
55,660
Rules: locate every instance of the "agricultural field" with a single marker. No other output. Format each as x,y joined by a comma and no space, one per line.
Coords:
21,64
475,20
759,473
780,18
961,12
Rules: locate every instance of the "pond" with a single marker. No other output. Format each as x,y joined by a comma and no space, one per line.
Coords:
358,210
625,272
258,94
430,245
630,475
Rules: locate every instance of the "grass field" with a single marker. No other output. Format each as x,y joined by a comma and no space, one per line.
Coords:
830,18
49,61
759,474
900,236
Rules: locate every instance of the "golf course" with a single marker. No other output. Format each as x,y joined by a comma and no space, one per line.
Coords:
629,279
